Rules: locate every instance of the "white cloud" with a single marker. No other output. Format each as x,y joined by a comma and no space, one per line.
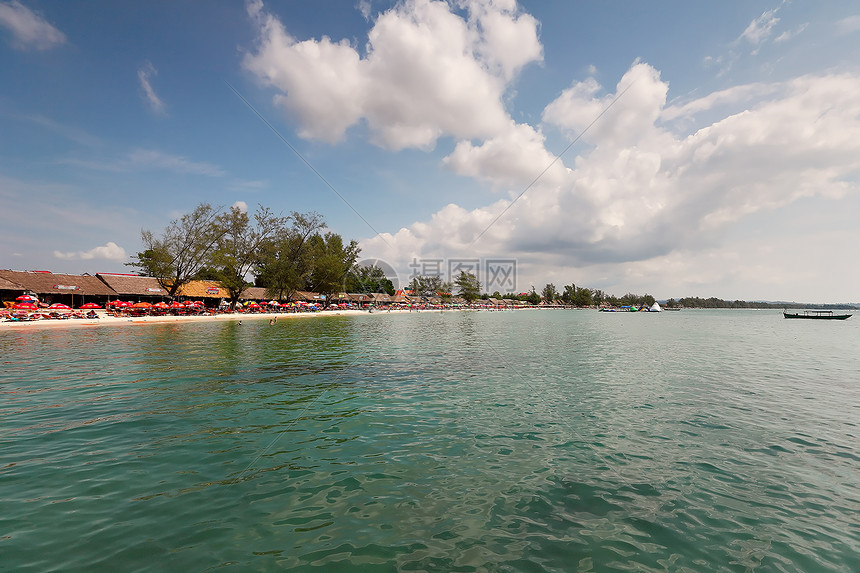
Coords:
510,158
254,185
848,25
760,28
641,191
426,72
29,29
109,251
149,159
177,163
737,95
241,205
153,102
789,34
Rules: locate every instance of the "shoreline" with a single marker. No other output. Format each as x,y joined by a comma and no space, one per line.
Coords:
107,320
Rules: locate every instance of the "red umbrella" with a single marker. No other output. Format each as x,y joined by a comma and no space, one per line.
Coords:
90,305
25,298
176,304
198,303
161,305
142,305
60,306
25,306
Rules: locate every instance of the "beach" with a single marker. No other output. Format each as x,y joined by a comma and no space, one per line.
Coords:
109,320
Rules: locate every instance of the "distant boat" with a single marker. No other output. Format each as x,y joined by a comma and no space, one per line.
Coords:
816,314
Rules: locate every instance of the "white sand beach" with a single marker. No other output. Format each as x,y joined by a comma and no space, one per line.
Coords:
108,320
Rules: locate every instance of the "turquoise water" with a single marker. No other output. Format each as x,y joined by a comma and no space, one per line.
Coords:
464,441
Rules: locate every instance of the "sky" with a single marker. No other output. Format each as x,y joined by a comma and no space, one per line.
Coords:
674,148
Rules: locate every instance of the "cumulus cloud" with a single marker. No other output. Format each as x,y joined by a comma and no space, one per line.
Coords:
29,29
642,191
150,98
241,205
425,72
109,251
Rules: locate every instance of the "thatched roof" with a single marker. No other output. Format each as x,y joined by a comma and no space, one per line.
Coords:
53,283
202,289
253,293
307,296
382,297
9,285
132,285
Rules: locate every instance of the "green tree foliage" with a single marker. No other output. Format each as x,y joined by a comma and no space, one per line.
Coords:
286,262
568,294
241,244
549,293
533,297
368,279
184,248
331,262
428,286
468,286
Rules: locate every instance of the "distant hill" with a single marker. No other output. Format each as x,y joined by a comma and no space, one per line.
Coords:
712,302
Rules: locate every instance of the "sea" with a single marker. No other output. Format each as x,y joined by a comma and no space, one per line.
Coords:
529,440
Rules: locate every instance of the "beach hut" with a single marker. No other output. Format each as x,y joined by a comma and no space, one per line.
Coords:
51,287
257,294
142,289
210,292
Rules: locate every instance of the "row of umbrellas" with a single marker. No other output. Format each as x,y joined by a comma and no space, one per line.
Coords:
28,302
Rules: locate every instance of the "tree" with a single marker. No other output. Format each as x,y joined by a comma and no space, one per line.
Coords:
549,293
241,244
182,251
331,261
286,262
582,297
533,297
469,286
427,285
569,293
368,279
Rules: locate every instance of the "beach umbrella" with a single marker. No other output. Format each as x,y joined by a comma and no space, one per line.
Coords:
189,304
198,303
142,305
25,306
90,305
176,304
60,306
161,305
26,298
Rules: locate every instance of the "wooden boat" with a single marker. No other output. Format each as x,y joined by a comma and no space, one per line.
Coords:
817,315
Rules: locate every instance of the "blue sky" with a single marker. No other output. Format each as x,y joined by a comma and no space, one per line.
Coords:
725,165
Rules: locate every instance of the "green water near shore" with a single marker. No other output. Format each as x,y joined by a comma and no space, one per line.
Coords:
460,441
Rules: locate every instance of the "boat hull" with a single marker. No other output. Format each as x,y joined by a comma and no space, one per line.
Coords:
817,316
